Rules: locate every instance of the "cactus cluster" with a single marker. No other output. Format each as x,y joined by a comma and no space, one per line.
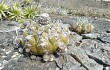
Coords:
45,38
82,27
17,12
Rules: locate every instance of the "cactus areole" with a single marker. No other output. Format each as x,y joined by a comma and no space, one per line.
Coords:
45,38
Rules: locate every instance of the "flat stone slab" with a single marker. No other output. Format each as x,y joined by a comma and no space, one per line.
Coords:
7,31
101,25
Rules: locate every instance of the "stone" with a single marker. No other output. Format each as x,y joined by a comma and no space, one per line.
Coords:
97,51
90,36
46,57
15,55
33,57
20,50
13,65
44,19
8,30
74,37
8,57
27,50
52,58
83,59
100,25
105,38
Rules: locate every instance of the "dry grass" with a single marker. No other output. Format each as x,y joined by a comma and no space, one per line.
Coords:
83,7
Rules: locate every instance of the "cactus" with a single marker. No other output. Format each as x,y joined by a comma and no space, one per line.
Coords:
82,28
17,4
30,11
15,13
45,38
27,1
3,10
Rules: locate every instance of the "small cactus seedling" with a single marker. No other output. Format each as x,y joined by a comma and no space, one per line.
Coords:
82,28
45,38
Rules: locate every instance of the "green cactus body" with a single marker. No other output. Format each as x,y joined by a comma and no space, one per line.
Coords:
3,9
90,27
15,13
83,28
45,38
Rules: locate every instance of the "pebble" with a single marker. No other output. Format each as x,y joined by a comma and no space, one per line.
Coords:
33,57
8,52
16,55
20,50
4,56
90,36
46,58
51,58
27,50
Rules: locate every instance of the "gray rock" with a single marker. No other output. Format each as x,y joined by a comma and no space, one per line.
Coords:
8,57
44,19
74,37
33,57
98,51
101,26
90,36
13,65
20,50
27,50
7,32
84,60
105,38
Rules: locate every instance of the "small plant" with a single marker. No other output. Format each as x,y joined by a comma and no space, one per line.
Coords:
3,10
44,39
30,11
27,2
15,13
82,28
17,4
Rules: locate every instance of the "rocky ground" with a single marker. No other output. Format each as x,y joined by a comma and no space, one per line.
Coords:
85,52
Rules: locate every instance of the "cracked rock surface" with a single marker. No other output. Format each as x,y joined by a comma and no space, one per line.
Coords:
83,53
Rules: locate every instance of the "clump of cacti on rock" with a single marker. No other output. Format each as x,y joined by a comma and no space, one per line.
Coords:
82,27
45,38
